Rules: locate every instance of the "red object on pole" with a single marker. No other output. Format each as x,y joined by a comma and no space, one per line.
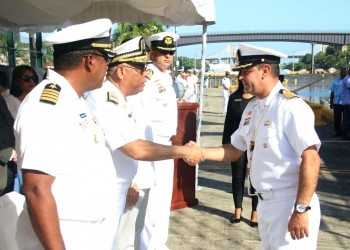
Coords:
184,186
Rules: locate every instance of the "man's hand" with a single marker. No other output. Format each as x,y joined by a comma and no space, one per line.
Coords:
14,157
195,155
132,195
298,225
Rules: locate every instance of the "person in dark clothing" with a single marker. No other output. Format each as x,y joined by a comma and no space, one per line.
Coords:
8,156
236,105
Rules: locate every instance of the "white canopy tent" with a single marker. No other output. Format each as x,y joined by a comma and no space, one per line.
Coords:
48,15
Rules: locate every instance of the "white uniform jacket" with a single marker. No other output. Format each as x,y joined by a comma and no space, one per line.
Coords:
64,140
159,99
113,112
284,128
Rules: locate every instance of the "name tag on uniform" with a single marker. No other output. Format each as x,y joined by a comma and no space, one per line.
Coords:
267,123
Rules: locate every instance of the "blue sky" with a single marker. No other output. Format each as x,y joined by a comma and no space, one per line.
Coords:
271,16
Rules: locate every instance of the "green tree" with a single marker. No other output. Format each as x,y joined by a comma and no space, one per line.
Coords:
130,30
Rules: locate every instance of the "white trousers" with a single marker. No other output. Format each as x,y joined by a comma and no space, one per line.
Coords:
155,232
76,235
226,96
132,222
273,221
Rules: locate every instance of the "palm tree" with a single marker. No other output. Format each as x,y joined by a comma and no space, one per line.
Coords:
129,30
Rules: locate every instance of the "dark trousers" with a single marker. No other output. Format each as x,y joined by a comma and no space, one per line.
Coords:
346,121
11,175
239,171
338,112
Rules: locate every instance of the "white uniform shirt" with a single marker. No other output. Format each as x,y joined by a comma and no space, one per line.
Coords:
226,84
145,171
12,102
64,140
285,131
119,126
182,80
159,100
192,83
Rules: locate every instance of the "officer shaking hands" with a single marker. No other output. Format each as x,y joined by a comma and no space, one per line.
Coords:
277,130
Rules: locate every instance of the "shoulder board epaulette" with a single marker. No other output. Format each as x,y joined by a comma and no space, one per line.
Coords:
288,94
50,93
149,74
112,97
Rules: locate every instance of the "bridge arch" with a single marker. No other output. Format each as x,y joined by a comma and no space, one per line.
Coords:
329,38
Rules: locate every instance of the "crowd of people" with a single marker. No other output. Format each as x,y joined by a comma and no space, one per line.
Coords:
93,142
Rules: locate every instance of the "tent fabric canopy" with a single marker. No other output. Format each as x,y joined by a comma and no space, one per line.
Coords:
48,15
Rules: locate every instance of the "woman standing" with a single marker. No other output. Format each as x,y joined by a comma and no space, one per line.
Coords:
24,79
236,105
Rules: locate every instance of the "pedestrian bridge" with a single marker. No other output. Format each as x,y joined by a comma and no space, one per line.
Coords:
330,38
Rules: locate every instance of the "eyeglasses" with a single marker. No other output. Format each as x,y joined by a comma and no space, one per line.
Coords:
33,78
141,69
107,59
165,52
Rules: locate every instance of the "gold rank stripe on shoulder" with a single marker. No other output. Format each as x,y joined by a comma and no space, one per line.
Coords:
112,97
149,74
50,93
288,94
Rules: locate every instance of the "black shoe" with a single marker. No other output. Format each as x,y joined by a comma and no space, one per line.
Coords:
253,224
234,220
346,138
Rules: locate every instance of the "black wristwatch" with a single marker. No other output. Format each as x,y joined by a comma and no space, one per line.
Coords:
301,208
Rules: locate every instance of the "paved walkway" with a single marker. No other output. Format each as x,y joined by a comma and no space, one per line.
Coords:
206,225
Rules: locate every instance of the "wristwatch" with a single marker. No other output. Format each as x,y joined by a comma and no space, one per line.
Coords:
301,208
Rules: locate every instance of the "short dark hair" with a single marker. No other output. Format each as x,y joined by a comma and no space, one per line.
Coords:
70,60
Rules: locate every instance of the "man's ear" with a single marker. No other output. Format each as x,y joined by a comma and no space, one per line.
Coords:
88,62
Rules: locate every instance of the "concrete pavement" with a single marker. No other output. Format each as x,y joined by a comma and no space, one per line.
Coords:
206,225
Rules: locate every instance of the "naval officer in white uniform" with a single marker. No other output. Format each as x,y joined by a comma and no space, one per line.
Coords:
159,100
68,173
124,136
277,130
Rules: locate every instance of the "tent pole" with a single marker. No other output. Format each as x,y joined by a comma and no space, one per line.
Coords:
201,87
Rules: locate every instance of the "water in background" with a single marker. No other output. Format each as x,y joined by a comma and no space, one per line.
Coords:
318,92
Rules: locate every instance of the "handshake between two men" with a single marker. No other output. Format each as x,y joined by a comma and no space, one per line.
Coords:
224,153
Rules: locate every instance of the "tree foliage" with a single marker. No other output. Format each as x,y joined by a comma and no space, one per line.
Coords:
333,57
130,30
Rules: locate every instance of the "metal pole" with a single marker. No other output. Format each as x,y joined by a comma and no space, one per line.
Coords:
312,59
11,50
32,49
200,101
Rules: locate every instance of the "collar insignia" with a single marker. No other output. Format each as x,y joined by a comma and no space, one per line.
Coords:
149,74
112,97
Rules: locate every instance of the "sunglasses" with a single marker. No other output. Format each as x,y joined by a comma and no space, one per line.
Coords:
141,68
27,78
165,52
